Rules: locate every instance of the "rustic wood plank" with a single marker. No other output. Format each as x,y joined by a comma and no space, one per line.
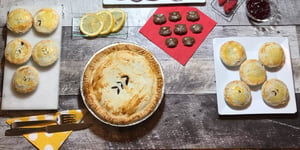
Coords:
75,8
182,121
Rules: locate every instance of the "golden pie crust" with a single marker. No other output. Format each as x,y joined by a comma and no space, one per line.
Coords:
19,20
232,54
271,55
18,51
46,20
122,84
26,79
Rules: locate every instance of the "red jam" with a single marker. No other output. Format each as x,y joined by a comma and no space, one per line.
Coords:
259,9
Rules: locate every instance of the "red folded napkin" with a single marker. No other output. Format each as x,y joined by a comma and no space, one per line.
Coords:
180,53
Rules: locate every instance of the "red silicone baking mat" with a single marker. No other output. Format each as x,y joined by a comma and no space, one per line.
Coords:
180,53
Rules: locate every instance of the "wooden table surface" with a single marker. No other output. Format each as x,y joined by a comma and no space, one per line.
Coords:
188,116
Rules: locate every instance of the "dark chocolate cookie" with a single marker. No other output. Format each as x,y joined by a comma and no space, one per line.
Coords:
174,16
180,29
171,42
196,28
165,31
159,19
188,41
192,16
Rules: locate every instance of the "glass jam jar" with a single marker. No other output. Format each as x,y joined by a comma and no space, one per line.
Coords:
258,10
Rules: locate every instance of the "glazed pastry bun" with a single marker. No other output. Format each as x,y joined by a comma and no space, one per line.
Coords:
25,79
275,93
18,51
271,55
19,20
237,94
46,20
45,53
232,54
252,72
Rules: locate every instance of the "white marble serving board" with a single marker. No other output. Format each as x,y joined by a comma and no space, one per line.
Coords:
46,96
149,2
225,75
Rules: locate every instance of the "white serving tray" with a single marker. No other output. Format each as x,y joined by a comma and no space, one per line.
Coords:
46,96
149,2
224,76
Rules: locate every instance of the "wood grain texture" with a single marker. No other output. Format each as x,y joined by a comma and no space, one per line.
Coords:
288,11
182,121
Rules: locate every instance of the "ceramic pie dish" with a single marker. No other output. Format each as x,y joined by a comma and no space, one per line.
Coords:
122,84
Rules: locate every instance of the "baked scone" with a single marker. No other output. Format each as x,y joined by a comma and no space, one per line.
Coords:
253,72
46,20
122,84
237,94
19,20
25,79
45,53
271,55
275,93
18,51
232,54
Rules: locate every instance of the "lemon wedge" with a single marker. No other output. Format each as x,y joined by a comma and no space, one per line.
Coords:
108,21
119,19
91,24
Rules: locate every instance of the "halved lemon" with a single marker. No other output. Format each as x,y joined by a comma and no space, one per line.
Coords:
119,19
91,24
108,21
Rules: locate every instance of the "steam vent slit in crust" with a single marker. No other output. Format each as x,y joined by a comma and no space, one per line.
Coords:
122,84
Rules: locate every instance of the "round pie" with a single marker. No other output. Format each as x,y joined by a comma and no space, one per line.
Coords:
271,55
46,20
25,79
19,20
275,93
122,84
237,94
232,54
18,51
253,72
45,53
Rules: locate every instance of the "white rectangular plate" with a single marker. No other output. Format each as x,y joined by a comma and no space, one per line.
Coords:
149,2
224,76
46,96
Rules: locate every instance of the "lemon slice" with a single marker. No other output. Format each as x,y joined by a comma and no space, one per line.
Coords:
91,24
119,19
108,21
